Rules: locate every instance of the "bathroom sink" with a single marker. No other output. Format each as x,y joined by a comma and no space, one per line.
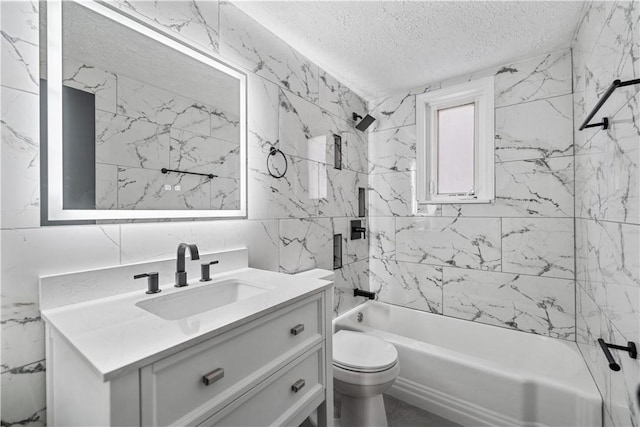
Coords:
196,300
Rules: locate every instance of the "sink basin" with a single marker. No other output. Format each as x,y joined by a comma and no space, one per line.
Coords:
192,301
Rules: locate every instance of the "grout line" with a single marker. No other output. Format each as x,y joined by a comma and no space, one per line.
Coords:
451,267
575,199
554,96
535,158
120,244
501,246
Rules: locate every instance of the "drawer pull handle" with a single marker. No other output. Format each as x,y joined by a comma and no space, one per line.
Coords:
213,376
297,386
297,329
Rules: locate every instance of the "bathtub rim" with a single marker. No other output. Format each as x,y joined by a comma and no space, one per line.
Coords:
517,374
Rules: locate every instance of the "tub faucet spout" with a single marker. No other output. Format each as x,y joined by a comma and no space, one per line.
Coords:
181,274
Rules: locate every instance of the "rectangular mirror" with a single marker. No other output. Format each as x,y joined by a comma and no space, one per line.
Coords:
139,125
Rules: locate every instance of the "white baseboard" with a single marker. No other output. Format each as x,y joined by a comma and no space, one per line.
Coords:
450,407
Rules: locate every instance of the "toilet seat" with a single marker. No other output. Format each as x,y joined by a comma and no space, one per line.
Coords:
359,352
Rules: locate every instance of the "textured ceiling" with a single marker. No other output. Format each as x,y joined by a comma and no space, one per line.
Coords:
381,47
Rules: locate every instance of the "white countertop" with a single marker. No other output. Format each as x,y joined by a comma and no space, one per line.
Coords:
115,336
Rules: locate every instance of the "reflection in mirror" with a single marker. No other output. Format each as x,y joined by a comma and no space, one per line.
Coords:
147,123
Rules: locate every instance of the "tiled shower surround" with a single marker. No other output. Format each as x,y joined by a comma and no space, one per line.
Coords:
290,223
607,202
513,263
556,254
509,263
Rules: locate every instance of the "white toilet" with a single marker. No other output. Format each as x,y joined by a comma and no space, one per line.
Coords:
364,367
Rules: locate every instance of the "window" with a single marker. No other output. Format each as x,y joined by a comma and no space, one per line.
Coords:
455,144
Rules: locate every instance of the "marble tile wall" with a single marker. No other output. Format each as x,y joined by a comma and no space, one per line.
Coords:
509,263
607,201
141,129
290,223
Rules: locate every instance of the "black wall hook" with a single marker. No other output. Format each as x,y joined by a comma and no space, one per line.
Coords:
631,348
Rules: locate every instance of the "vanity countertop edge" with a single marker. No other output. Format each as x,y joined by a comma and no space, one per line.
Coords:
115,336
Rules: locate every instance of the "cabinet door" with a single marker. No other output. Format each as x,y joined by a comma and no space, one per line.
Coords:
279,399
187,388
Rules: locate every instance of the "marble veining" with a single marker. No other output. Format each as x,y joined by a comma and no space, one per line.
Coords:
307,131
460,242
19,50
615,52
306,244
22,328
537,129
294,195
194,19
143,242
410,285
141,129
587,33
392,150
622,398
262,112
607,252
591,325
91,79
26,380
538,246
145,189
22,338
607,186
526,303
397,110
349,277
352,250
623,112
382,237
20,158
342,192
245,42
125,141
141,101
106,186
606,47
391,194
339,99
541,188
198,153
356,151
180,121
533,79
617,303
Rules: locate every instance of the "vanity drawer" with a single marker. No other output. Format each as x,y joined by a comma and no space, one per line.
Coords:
276,400
174,390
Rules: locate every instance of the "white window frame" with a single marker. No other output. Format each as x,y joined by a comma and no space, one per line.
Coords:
479,92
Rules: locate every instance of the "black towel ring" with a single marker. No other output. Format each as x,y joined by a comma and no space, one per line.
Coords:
272,152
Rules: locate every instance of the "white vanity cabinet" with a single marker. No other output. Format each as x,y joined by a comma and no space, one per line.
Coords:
272,370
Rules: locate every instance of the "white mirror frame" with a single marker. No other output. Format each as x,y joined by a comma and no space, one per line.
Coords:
54,121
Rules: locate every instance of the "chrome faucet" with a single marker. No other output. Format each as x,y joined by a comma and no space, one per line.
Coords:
181,274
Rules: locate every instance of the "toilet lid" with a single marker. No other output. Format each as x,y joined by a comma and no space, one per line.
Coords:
360,352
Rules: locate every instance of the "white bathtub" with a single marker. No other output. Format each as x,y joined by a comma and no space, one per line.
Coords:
480,375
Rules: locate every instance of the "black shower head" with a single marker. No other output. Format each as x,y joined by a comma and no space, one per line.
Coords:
364,123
